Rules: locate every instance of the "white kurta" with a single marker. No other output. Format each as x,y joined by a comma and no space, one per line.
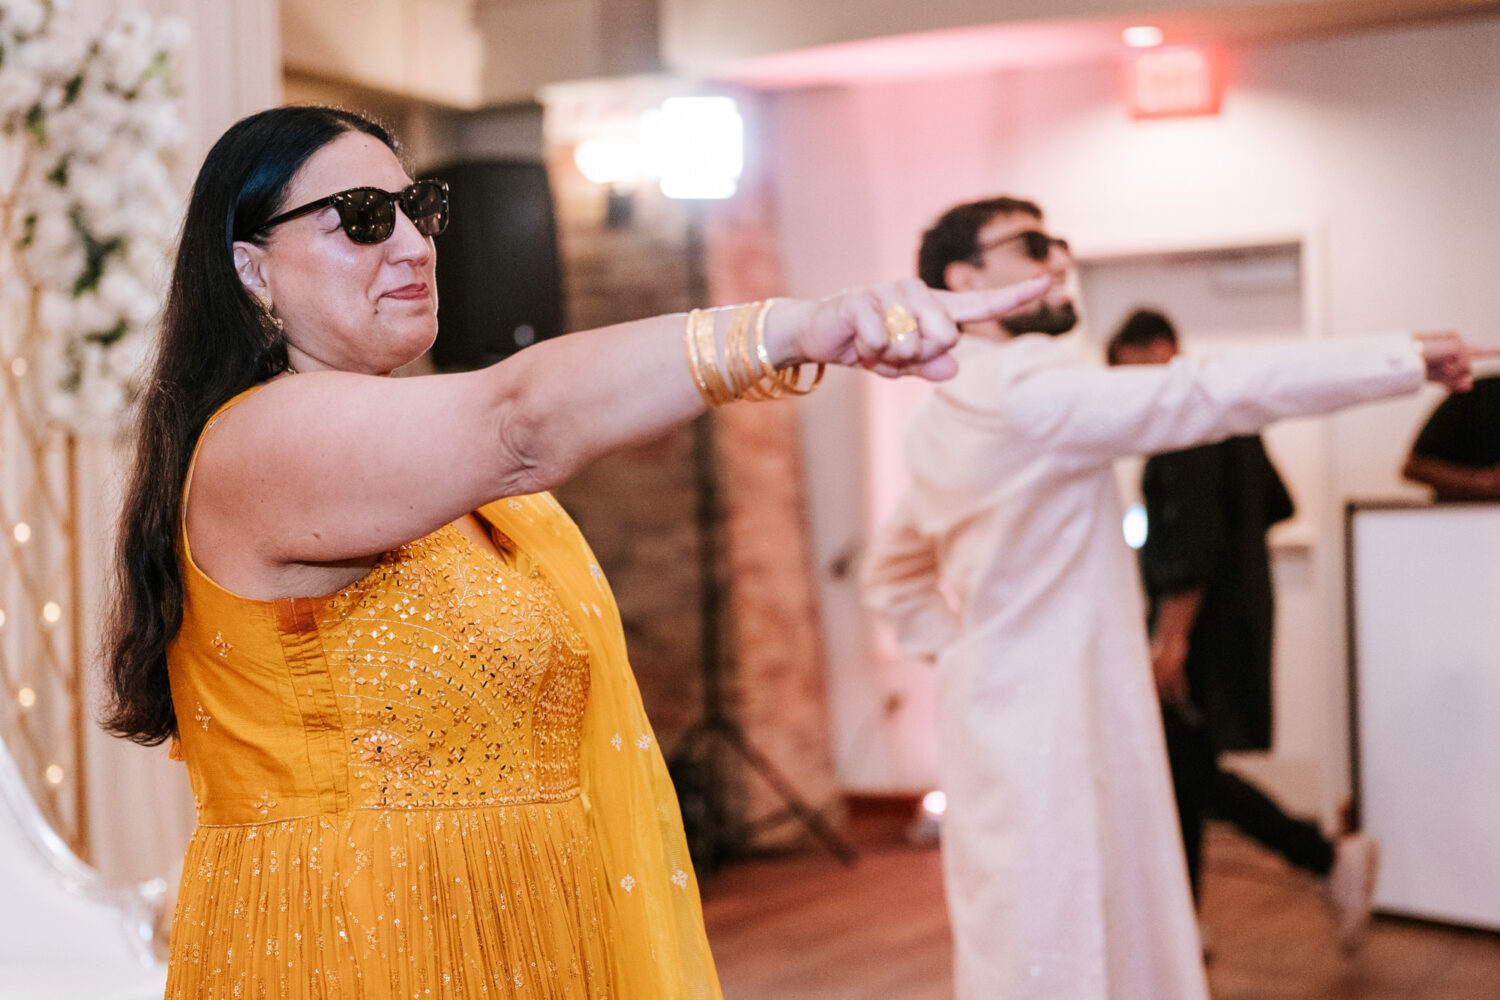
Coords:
1062,855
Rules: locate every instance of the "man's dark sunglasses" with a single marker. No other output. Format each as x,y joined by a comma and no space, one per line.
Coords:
1036,244
368,215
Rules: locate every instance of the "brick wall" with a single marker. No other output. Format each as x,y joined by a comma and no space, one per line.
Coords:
640,508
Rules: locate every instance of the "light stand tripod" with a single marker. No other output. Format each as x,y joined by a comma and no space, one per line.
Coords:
701,763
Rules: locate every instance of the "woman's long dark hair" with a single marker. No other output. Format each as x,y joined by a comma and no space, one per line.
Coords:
216,341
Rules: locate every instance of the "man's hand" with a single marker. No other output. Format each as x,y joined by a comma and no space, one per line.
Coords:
1450,358
1175,615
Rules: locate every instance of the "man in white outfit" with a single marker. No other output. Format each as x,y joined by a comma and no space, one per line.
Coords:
1062,857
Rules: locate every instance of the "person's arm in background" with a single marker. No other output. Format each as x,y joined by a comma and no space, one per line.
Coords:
1438,456
1088,417
1176,614
1452,481
900,583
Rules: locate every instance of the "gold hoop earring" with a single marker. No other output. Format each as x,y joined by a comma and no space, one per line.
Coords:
271,317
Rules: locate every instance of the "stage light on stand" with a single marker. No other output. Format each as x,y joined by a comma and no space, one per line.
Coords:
696,145
618,163
693,147
615,159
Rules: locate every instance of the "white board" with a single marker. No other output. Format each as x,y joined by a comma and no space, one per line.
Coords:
1425,671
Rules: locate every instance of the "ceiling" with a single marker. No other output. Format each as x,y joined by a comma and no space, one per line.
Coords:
1030,44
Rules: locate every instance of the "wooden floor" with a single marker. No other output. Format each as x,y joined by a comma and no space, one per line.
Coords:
805,927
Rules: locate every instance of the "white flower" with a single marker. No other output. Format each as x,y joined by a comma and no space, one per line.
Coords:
56,311
24,17
101,396
172,34
627,883
122,294
128,357
92,112
18,92
90,315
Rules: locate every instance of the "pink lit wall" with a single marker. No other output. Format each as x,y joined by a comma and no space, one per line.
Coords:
1377,150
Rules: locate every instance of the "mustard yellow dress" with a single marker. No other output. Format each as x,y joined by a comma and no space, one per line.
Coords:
437,782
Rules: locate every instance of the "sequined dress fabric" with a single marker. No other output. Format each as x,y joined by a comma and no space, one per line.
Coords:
387,783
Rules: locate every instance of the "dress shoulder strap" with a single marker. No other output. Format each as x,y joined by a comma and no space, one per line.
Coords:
187,483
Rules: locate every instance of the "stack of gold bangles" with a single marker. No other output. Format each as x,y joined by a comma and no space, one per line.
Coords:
747,371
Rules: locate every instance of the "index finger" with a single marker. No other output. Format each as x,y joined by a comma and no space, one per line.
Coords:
991,303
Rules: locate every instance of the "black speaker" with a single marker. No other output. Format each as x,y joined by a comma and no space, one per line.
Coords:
498,276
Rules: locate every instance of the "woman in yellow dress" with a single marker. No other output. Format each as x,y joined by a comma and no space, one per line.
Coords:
392,667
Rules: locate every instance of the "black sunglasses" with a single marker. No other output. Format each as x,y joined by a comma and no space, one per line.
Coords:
368,215
1036,244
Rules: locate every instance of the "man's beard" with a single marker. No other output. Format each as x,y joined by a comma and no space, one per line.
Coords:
1045,318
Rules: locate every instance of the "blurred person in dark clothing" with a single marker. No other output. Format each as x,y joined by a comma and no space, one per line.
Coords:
1207,573
1457,452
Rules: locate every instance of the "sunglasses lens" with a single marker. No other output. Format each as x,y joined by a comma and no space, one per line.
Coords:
426,204
367,215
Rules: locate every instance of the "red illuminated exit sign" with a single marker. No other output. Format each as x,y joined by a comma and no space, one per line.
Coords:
1175,81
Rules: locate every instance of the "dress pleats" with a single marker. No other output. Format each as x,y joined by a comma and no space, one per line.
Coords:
500,901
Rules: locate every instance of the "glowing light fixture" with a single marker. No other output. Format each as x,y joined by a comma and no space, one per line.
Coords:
1142,36
696,145
26,697
935,803
54,774
610,159
21,532
51,612
18,367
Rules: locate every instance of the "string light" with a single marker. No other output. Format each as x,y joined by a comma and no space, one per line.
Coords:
18,367
2,618
22,532
51,612
54,774
26,697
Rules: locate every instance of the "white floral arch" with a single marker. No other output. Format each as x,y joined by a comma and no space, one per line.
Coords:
90,209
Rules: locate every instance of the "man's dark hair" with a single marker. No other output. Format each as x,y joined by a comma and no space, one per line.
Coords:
955,235
1141,328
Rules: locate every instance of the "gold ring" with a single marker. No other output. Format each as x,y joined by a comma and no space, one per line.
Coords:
899,323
